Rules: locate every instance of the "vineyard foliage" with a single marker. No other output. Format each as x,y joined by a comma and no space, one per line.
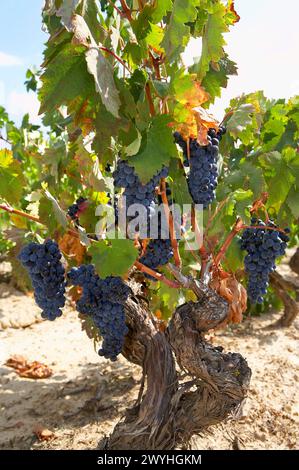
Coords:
113,85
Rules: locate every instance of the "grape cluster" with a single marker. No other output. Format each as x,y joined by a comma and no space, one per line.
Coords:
203,174
103,300
158,252
47,276
74,210
263,246
136,192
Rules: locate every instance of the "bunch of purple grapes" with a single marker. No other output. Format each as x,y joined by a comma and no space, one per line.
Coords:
158,253
43,263
263,246
203,174
102,300
136,192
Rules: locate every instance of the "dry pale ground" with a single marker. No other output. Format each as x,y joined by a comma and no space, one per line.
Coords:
86,395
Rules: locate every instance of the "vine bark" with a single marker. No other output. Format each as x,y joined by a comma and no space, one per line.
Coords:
188,384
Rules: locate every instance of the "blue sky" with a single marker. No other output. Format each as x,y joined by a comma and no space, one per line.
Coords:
265,45
21,46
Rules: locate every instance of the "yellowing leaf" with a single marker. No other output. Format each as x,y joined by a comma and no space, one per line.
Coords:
12,179
204,122
18,221
6,158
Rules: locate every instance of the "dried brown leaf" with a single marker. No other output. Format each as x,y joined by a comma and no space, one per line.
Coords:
29,370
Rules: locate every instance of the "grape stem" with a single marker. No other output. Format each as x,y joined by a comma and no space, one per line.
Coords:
126,10
144,269
102,48
218,209
121,13
9,209
204,255
169,218
236,229
150,99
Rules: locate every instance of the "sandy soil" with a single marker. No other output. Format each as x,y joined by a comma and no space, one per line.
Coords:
86,395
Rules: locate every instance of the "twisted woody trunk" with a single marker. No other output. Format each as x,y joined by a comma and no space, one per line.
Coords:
188,384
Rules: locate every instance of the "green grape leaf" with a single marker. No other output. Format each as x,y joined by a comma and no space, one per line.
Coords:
102,140
288,137
102,71
292,201
243,200
88,325
154,37
247,177
90,14
272,133
46,214
217,77
178,184
141,26
278,185
156,149
134,146
234,256
58,213
137,83
12,180
242,117
161,88
160,10
177,33
97,180
113,259
212,40
83,236
133,53
58,83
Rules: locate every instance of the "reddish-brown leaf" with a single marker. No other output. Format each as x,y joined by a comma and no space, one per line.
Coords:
29,370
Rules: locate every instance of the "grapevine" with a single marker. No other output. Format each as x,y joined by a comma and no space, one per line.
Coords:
121,108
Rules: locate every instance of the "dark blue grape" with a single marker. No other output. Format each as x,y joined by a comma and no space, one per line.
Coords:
203,174
136,192
103,300
47,275
263,246
158,252
74,209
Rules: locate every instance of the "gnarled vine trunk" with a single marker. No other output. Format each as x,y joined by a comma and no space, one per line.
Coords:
282,286
188,384
294,262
